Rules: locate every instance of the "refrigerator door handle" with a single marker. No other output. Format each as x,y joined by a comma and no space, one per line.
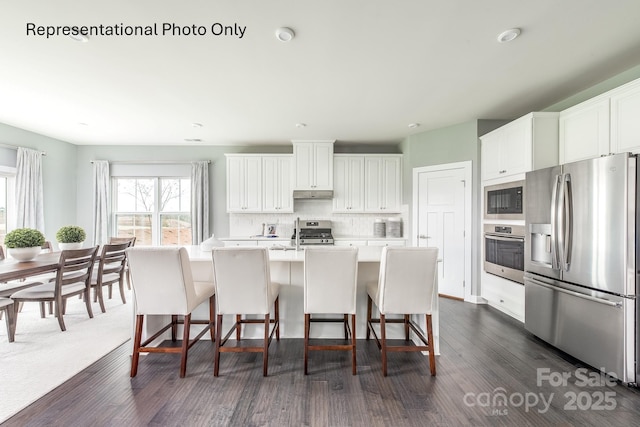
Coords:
567,208
555,249
575,294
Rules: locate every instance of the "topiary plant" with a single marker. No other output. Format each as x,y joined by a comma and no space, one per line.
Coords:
24,238
71,234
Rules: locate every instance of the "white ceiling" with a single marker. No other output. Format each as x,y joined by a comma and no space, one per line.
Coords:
358,71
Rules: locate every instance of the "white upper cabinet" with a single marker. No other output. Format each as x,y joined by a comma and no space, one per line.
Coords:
277,173
348,183
244,183
584,130
313,165
625,118
605,124
383,183
525,144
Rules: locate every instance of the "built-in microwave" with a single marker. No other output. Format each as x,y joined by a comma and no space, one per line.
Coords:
504,201
504,251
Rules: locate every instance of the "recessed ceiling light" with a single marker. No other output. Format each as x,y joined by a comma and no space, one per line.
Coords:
414,125
284,34
192,140
508,35
301,125
83,124
196,125
79,38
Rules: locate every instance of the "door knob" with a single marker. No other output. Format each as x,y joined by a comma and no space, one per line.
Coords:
422,236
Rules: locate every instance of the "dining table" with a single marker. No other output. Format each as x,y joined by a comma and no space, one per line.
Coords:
12,269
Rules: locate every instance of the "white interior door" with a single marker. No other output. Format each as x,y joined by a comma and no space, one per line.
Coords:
440,222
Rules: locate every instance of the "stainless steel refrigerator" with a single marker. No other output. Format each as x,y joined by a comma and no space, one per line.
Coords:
581,262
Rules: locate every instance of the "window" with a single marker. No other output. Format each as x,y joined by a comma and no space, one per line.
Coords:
7,201
157,211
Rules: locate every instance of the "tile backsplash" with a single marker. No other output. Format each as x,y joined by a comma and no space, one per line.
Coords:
343,225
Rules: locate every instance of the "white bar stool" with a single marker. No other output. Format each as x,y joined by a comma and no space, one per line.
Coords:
330,280
407,285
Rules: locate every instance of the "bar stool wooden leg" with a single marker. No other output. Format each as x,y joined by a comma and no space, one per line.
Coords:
307,322
216,358
368,324
185,345
136,345
174,327
277,317
265,351
383,339
406,327
212,316
432,350
353,344
238,326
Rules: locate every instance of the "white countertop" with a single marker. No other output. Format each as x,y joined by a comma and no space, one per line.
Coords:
286,239
365,254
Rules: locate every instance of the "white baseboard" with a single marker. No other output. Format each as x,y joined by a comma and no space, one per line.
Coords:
476,299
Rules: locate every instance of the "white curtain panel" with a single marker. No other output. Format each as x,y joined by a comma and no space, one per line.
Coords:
100,202
29,193
199,202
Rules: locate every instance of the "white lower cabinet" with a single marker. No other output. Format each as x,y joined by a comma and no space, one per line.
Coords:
504,295
386,243
272,243
374,242
241,243
350,243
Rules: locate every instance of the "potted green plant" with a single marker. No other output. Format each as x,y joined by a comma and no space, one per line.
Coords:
24,244
70,237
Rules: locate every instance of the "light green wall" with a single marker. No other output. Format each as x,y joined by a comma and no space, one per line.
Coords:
452,144
59,174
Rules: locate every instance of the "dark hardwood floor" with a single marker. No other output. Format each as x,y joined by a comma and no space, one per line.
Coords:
487,375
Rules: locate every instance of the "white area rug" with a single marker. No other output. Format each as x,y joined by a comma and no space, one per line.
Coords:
43,357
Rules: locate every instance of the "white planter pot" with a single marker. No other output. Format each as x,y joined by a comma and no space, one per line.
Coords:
65,246
24,254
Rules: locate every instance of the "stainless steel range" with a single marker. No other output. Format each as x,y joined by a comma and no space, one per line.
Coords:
313,232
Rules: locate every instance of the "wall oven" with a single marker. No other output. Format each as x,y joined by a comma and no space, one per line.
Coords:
504,201
504,251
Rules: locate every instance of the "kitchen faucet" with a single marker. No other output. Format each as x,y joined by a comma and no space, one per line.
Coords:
297,234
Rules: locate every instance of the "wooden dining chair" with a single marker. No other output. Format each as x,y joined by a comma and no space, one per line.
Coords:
9,288
407,285
330,280
72,278
163,285
132,242
7,307
244,287
109,271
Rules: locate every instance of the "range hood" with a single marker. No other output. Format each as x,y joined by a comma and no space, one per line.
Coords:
313,194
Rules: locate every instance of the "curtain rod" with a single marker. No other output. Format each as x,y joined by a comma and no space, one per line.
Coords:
152,162
15,147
